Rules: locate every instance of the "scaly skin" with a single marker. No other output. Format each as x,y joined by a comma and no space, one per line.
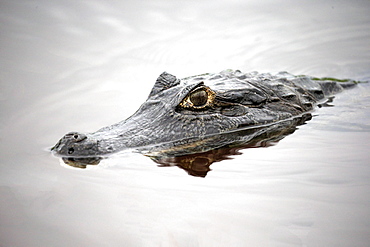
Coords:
202,110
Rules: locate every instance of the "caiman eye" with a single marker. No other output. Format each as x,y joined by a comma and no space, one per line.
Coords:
199,98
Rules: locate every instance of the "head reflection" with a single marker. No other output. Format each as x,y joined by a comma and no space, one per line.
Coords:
81,163
197,165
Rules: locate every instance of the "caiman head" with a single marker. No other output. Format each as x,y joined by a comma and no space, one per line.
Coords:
191,112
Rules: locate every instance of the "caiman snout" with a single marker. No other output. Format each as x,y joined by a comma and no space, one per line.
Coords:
76,144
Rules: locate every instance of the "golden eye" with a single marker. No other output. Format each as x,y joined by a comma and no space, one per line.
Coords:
199,98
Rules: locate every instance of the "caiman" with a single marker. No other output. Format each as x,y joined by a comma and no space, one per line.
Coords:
206,112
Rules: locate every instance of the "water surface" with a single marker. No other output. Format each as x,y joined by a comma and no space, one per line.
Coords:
82,65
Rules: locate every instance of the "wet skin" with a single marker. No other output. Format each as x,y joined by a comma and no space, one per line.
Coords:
192,114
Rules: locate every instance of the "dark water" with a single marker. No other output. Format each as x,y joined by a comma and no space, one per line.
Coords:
82,65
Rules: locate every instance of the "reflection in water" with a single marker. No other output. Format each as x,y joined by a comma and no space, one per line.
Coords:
197,156
81,162
198,164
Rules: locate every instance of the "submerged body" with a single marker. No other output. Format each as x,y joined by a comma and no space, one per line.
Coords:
196,113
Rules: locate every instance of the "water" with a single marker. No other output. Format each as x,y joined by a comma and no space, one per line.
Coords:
76,65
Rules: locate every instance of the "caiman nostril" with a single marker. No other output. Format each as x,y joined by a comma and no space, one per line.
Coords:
76,137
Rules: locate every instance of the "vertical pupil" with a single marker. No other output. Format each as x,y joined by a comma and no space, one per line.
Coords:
199,98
